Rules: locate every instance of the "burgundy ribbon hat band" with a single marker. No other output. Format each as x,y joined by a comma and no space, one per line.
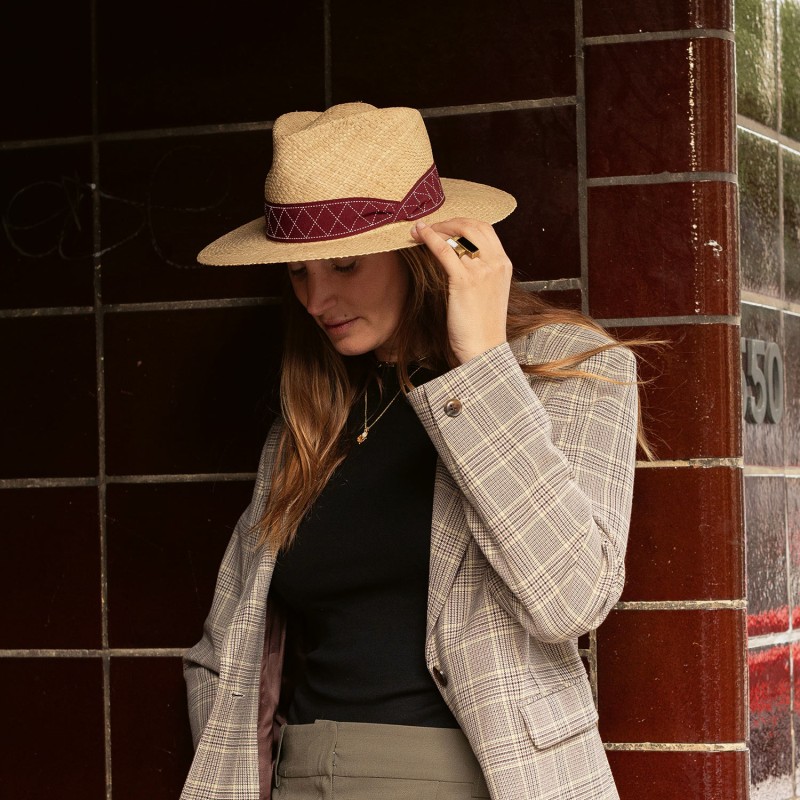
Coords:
347,182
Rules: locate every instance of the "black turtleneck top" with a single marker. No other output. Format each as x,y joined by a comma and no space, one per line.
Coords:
355,579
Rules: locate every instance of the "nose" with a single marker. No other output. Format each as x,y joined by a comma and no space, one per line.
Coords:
319,293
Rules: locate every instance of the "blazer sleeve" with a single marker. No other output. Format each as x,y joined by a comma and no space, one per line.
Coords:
547,481
201,662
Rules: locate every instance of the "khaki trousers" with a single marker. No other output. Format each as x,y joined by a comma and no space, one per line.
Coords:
362,761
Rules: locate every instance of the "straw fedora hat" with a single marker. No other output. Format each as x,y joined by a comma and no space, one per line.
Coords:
349,181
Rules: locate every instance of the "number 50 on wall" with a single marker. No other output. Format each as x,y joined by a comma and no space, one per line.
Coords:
762,381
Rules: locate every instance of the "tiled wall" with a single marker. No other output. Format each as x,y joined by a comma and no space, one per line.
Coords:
138,386
768,65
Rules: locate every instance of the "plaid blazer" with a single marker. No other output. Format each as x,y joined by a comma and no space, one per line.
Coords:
530,520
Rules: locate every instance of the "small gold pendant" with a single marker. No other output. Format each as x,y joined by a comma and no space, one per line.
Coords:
362,437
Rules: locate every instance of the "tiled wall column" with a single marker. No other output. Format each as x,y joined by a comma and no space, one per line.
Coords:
768,65
139,386
662,262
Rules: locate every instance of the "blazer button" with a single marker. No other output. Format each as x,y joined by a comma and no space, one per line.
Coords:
441,678
452,407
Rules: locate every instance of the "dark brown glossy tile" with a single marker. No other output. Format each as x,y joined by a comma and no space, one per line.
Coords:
46,59
50,570
53,711
540,170
190,391
756,48
698,556
663,250
584,641
166,199
759,203
661,106
608,17
151,745
526,50
790,68
690,662
764,440
765,519
791,224
48,412
770,720
691,395
791,398
169,538
242,63
688,776
46,239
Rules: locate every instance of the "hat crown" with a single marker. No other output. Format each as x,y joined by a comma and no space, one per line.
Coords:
350,150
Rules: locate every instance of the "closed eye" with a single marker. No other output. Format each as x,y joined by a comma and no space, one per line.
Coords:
345,267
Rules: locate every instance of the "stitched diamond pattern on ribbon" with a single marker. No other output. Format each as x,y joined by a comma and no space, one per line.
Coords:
333,219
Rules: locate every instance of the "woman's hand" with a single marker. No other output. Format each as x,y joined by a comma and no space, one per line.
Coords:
478,287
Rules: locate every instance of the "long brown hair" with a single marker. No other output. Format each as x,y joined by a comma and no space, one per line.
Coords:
318,387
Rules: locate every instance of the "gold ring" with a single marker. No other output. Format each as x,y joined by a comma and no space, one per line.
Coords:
463,247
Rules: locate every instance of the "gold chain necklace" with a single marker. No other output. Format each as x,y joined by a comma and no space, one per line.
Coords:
362,437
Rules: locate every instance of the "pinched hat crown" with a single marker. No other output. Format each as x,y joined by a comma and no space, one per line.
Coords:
350,150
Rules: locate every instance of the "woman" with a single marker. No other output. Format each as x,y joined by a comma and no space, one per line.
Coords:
440,511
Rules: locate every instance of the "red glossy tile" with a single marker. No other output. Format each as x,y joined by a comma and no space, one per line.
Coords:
770,720
50,570
531,154
660,106
53,714
663,250
608,17
48,411
169,538
238,63
525,50
698,556
690,662
47,63
759,213
151,744
679,776
200,384
764,440
165,199
791,397
765,521
691,393
46,238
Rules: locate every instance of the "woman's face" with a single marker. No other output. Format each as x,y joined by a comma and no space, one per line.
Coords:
358,301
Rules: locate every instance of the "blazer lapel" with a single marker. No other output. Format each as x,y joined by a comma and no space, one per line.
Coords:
449,539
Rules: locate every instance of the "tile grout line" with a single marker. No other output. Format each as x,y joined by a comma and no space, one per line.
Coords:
687,319
765,132
680,747
772,639
749,298
581,156
661,36
100,379
735,462
681,605
266,125
327,57
127,652
160,305
553,285
660,178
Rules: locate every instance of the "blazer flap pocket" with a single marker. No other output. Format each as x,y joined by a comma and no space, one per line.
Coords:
560,714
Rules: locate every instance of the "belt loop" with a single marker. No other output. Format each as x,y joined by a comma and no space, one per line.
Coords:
276,778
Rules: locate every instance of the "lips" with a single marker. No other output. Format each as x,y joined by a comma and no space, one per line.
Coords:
339,326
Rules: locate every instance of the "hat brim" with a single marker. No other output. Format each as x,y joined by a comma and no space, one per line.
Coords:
249,244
